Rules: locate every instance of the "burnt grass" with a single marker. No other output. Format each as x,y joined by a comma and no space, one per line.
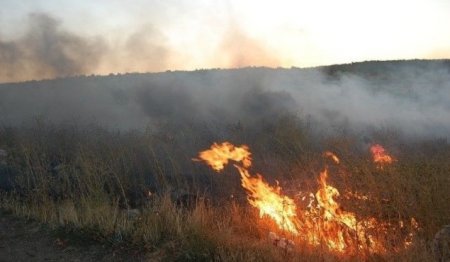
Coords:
140,191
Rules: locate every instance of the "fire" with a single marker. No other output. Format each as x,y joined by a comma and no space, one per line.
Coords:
380,156
334,221
332,156
269,200
219,155
339,230
261,195
325,196
356,195
322,223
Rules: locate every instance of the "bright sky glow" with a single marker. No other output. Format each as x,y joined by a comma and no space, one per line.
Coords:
211,34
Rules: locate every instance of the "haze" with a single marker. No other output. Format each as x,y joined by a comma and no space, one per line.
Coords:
47,39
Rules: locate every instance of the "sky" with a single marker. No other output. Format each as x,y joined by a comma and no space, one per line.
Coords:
51,38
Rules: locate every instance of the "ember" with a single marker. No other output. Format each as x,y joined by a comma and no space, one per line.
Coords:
380,156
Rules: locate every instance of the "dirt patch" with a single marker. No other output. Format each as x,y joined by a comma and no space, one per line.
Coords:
24,240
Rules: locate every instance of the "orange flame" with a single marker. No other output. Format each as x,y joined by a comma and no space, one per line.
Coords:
322,222
380,156
325,196
338,229
269,200
219,155
261,195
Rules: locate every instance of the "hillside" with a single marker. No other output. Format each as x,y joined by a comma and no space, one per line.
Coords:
343,162
410,96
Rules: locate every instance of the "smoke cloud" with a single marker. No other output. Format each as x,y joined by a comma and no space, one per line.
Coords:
46,51
412,97
237,49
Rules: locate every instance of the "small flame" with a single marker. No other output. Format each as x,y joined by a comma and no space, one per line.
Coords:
380,156
219,155
332,156
356,195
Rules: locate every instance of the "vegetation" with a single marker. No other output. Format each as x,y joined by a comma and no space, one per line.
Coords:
86,182
129,180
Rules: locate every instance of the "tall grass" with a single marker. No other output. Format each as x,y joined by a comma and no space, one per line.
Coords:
84,180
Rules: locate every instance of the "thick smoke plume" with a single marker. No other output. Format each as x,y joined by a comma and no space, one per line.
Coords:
46,51
411,97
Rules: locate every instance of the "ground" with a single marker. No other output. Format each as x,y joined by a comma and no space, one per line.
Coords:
22,240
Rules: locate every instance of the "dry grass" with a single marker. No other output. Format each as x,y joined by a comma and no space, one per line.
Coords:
82,181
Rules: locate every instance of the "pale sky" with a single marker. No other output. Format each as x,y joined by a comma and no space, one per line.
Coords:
211,34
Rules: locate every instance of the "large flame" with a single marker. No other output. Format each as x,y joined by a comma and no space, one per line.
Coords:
326,223
321,223
380,156
261,195
269,200
332,213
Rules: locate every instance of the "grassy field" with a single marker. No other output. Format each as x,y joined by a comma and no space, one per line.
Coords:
142,192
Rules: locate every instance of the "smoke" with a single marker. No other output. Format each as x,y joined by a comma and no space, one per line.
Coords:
46,51
147,49
237,49
412,97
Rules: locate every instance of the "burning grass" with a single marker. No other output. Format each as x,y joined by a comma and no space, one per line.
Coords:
332,206
380,156
323,222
